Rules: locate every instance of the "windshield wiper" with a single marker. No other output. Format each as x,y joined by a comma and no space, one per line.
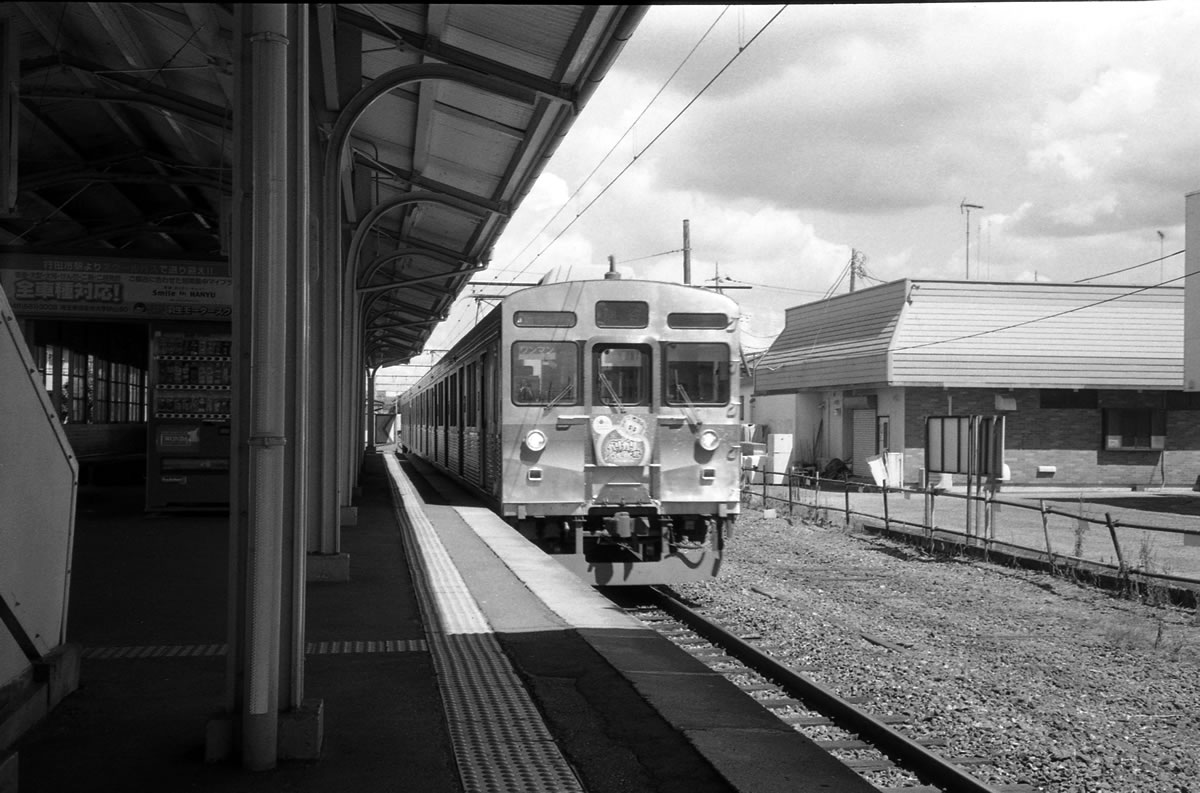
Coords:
690,409
568,388
612,392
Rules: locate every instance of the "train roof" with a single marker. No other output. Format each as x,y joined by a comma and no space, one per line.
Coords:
571,276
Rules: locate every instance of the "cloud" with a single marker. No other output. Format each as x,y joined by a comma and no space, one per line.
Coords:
865,126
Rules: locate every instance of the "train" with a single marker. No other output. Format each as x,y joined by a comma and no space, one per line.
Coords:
601,418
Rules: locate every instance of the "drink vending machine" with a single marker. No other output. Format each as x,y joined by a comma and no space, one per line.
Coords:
191,376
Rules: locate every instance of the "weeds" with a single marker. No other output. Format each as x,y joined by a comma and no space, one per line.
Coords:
1143,636
1081,527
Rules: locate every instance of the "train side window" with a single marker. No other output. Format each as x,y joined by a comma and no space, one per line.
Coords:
697,374
622,313
622,373
545,373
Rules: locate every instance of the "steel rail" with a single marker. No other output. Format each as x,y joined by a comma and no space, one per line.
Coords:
912,755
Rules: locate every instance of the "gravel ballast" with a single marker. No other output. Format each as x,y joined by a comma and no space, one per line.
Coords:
1070,689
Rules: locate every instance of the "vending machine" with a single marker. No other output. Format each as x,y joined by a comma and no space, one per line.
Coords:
188,437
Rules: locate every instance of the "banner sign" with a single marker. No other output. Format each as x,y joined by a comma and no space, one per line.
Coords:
100,287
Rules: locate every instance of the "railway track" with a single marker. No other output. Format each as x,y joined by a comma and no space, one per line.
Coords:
874,746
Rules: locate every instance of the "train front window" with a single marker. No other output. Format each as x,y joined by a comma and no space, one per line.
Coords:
622,373
544,373
697,374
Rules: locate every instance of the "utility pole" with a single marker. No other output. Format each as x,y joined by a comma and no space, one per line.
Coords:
856,260
965,207
687,252
1160,257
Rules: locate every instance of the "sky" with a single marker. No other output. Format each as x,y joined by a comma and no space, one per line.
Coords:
790,136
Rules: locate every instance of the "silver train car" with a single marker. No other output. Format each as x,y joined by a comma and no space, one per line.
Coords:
600,418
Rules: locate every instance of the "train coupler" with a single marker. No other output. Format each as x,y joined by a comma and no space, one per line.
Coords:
623,526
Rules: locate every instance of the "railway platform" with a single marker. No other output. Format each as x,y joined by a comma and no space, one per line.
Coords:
457,658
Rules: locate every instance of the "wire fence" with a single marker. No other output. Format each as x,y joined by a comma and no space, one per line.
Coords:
1140,548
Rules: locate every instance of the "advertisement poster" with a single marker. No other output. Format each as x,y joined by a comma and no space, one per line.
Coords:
112,288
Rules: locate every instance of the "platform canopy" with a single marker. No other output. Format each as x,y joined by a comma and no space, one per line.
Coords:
122,119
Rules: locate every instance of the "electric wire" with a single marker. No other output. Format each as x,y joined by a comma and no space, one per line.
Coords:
654,140
1055,315
454,332
1127,269
619,140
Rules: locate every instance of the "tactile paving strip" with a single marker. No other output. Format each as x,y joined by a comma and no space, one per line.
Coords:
201,650
500,741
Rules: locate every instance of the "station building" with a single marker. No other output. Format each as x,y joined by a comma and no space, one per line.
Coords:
1089,378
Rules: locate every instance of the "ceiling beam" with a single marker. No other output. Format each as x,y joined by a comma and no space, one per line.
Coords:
431,47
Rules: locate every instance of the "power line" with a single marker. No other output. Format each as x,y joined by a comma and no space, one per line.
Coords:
655,139
624,135
774,288
966,336
1134,267
644,149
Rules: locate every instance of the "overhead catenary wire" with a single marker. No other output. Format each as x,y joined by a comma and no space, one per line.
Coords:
454,330
619,140
655,139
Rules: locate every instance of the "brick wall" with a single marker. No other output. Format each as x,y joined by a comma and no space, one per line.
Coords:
1067,439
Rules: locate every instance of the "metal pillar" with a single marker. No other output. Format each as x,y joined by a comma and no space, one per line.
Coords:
304,239
267,516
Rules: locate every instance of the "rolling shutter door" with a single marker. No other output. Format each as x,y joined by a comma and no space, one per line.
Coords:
862,442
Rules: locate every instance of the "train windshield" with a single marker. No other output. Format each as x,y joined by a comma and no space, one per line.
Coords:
697,374
622,373
544,373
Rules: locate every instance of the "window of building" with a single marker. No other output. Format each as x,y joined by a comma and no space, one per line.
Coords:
92,375
1135,428
1182,400
1066,398
696,374
545,373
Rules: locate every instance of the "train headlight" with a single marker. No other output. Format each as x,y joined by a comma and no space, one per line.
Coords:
709,440
535,441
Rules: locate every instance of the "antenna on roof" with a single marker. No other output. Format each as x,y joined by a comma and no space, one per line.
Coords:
965,207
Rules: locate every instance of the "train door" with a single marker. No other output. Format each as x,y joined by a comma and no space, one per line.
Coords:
454,424
489,427
471,451
439,442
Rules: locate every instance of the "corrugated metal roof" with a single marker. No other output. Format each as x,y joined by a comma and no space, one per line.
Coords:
125,143
982,334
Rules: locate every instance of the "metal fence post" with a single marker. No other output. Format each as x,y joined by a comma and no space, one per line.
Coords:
932,516
887,521
1046,531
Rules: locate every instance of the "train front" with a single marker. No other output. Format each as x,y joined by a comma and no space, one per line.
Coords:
622,430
